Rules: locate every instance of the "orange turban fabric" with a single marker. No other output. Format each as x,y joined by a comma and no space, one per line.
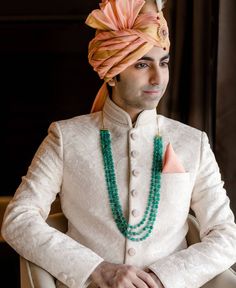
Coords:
123,35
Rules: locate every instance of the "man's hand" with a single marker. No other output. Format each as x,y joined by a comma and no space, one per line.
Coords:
108,275
156,279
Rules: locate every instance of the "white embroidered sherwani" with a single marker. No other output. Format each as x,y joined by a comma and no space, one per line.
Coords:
69,162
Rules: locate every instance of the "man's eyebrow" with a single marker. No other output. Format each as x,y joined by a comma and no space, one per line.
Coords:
167,56
147,58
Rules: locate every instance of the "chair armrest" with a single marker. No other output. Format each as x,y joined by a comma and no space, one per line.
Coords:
226,279
33,276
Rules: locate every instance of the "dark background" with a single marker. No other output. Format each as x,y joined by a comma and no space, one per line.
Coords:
45,76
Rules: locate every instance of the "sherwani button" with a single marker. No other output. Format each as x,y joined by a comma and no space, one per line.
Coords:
134,154
135,173
135,213
131,252
134,136
134,192
70,282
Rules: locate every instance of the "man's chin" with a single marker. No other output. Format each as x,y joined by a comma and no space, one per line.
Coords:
151,105
151,102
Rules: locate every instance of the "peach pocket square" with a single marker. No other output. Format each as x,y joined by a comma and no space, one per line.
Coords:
171,163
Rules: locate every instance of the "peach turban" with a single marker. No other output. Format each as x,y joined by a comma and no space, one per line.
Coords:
123,35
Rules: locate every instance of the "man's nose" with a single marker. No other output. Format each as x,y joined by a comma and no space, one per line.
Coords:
155,77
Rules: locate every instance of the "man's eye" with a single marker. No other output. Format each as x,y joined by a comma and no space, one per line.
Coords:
164,64
141,65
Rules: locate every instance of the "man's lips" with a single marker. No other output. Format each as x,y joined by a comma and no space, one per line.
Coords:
152,91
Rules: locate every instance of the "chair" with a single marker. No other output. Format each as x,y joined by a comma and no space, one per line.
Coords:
33,276
4,201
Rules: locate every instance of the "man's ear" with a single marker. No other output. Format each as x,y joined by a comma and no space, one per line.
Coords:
111,82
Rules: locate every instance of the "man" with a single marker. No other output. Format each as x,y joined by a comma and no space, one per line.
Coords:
126,176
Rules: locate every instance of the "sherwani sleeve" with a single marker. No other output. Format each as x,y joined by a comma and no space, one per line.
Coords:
199,263
24,226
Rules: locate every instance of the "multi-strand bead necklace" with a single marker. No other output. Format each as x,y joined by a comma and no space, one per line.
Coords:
143,229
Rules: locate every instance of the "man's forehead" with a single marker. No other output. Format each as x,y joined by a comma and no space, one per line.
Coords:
155,54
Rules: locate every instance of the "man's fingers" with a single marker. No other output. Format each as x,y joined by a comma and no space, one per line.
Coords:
102,284
124,285
147,279
139,283
128,279
108,275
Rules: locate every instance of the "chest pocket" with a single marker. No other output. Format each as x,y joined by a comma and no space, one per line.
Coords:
175,194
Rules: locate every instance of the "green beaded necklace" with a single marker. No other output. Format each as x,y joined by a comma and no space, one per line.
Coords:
143,229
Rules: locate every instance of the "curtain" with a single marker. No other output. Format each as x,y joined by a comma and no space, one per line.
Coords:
202,89
190,96
226,98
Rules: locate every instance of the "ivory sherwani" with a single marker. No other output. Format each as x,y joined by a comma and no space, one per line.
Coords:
69,162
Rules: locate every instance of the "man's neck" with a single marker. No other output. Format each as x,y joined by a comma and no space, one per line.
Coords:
133,113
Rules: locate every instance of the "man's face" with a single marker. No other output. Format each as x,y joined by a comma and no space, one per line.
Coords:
142,84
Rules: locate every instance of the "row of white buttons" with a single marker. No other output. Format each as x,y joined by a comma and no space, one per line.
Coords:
134,153
135,212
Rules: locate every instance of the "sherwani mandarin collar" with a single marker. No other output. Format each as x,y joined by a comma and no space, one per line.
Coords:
118,116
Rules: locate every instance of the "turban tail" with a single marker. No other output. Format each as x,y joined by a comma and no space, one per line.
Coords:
123,35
